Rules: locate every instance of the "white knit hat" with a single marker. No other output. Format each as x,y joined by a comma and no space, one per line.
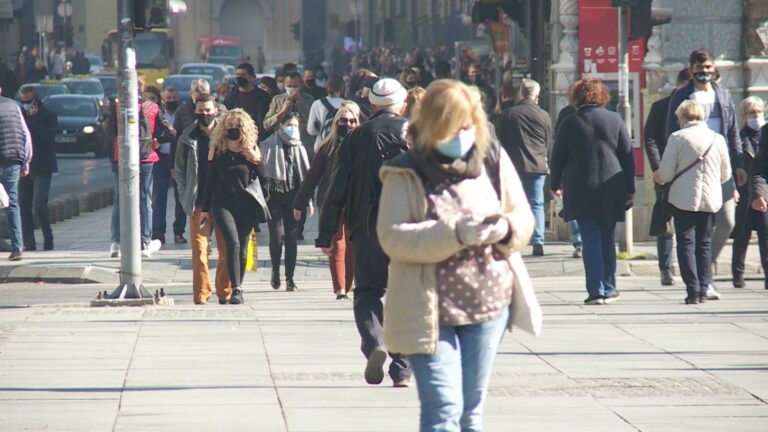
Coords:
387,91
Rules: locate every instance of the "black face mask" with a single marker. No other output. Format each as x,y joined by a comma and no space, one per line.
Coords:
172,105
233,134
205,120
242,82
311,82
342,131
410,84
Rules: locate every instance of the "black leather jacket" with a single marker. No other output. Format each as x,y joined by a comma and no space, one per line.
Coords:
356,186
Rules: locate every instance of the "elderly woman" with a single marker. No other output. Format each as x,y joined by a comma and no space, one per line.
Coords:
450,214
753,118
593,169
694,166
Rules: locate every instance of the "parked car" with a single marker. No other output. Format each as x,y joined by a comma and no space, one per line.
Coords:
87,86
217,71
109,83
43,90
82,124
182,83
97,65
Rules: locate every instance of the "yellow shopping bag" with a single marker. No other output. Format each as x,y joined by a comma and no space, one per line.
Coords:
252,255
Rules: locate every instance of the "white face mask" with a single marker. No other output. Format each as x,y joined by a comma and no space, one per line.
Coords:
755,122
292,132
290,91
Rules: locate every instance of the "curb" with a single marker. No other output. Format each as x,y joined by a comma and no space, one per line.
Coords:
59,274
67,206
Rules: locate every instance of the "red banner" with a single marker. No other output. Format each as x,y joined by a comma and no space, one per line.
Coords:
599,38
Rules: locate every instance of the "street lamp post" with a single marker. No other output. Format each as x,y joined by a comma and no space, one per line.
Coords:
130,291
626,112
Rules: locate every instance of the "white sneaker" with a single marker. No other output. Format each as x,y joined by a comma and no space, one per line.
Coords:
114,250
151,247
712,294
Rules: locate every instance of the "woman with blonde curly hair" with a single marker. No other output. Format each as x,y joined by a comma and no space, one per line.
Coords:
233,190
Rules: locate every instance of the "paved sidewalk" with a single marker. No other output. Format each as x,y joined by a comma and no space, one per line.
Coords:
291,361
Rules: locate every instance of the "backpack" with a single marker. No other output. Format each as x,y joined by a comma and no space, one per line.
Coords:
325,130
145,137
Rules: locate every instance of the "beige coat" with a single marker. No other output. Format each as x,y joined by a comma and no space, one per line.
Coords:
699,189
415,245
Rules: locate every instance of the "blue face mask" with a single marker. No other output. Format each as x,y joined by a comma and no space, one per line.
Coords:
27,106
459,145
292,132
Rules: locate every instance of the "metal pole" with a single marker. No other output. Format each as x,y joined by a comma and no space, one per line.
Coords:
625,244
64,32
130,288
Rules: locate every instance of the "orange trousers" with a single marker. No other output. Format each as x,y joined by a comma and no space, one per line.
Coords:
341,262
201,280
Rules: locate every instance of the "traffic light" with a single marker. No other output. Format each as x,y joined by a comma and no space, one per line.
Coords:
296,30
643,17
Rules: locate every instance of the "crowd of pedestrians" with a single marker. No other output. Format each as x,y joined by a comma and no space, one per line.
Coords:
427,189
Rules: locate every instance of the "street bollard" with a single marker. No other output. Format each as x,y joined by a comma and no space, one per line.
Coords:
84,203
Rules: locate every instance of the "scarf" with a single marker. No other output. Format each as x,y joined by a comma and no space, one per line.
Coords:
441,172
284,164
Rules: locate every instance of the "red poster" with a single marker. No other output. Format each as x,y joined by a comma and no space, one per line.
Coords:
599,38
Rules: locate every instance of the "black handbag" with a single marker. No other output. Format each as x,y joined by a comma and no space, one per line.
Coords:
661,216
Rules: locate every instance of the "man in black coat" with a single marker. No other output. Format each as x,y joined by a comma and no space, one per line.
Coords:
34,188
655,142
355,190
249,97
525,132
720,114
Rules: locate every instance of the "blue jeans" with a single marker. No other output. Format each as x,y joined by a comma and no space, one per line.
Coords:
452,382
599,256
533,184
573,227
161,177
145,205
663,242
9,177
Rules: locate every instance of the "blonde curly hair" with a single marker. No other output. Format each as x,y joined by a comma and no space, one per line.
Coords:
249,133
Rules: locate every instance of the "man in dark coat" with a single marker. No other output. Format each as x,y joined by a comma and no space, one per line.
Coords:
758,195
525,132
355,190
655,142
34,188
720,114
249,97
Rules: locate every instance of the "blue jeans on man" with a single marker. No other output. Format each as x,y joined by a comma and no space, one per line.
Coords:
9,177
452,382
161,177
145,205
533,185
599,256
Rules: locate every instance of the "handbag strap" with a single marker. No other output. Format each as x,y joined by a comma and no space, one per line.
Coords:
692,164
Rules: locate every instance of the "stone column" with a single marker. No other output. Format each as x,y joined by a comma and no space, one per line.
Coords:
757,48
567,68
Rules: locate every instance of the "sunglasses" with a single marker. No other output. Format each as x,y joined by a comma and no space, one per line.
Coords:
345,122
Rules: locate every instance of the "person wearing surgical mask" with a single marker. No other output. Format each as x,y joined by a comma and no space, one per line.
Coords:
324,164
250,98
283,170
452,212
233,196
747,219
721,117
293,99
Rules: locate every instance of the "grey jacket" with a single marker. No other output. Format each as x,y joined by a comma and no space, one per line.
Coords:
185,169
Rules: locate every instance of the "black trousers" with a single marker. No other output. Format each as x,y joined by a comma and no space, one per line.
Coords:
694,250
33,195
371,274
283,230
235,223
